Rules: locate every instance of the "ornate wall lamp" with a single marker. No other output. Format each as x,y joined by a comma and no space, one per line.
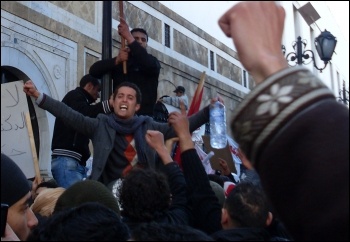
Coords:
325,44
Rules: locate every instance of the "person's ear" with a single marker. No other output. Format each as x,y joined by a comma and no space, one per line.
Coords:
224,217
269,219
138,106
88,86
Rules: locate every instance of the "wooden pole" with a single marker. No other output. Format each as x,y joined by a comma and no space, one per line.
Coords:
32,145
121,15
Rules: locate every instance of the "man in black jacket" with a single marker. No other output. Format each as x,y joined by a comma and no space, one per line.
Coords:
70,149
142,68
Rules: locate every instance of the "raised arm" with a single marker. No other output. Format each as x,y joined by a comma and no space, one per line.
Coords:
206,209
264,57
155,139
286,128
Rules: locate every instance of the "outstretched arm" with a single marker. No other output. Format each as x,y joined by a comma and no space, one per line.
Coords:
75,119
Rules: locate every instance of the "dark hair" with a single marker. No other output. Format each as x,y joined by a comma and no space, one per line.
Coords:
131,85
144,194
90,221
140,30
168,232
216,178
247,205
89,78
49,184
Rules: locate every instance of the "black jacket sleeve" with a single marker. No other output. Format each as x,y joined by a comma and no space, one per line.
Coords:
205,204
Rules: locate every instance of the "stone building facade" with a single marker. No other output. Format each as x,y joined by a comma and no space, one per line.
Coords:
54,43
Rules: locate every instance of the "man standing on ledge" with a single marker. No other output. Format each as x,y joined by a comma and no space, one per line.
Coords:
175,101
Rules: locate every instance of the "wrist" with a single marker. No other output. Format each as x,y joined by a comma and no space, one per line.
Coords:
130,39
186,144
117,61
268,67
185,136
36,95
165,156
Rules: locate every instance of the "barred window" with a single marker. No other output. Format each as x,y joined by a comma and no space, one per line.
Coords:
167,35
245,84
212,60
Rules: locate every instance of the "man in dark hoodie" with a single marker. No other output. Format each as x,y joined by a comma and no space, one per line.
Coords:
70,149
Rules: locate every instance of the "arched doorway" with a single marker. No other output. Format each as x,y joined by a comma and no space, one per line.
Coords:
17,64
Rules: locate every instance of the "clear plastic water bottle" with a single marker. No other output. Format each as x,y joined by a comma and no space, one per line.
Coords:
217,119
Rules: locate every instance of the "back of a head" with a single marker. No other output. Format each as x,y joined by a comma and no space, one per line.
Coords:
90,221
168,232
247,205
219,192
216,178
144,194
180,89
14,184
86,191
89,78
44,203
48,184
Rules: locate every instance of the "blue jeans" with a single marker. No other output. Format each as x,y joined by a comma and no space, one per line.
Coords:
66,170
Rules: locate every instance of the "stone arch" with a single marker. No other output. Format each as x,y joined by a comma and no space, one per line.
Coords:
23,65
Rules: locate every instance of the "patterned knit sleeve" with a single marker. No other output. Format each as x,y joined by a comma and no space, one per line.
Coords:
274,102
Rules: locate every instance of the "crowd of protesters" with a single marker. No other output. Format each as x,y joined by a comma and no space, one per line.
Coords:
294,182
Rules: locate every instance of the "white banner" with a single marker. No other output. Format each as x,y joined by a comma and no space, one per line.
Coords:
234,151
205,158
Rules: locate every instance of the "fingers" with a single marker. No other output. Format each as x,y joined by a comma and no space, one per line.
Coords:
246,20
182,107
153,133
223,163
29,84
122,20
222,160
217,98
225,25
37,180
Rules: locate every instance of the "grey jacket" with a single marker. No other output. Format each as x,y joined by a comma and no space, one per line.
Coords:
103,135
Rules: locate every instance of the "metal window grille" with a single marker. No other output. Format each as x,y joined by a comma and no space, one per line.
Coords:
167,35
212,60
